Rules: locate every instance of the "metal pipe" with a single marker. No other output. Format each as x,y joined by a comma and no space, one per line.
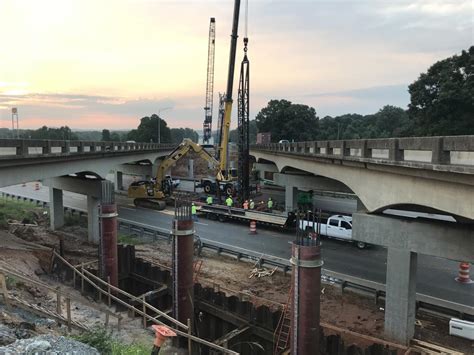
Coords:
305,305
183,233
108,255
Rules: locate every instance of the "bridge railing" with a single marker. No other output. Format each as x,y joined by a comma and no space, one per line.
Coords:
11,148
458,150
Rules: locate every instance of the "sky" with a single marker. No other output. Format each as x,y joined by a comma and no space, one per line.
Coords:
94,64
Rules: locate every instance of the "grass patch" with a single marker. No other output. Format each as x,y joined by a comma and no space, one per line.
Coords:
74,220
129,239
103,341
18,210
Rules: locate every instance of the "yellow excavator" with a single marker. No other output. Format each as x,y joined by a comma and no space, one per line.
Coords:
152,194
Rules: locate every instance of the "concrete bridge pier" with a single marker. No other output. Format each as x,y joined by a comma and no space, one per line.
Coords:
291,198
404,239
56,208
118,180
93,219
400,299
92,188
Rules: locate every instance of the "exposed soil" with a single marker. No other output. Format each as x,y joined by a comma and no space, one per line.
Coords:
21,251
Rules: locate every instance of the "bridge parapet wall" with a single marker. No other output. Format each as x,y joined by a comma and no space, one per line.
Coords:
28,148
455,150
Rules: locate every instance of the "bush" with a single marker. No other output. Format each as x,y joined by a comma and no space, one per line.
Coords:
103,341
17,210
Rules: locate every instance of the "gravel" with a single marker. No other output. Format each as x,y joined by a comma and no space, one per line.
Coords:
48,345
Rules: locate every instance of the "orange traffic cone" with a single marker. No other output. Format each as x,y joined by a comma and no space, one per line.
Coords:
463,275
253,227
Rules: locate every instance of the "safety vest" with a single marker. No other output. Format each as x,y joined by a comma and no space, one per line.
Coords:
252,205
209,200
270,203
193,209
228,202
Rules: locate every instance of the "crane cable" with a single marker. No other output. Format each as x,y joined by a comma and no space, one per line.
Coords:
246,17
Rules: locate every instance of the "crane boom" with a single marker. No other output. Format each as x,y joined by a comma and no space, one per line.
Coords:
207,126
230,82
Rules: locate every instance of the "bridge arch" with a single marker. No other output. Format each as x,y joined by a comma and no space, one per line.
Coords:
380,186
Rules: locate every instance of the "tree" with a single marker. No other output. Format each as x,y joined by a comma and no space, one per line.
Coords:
234,134
178,134
442,99
147,131
285,120
106,135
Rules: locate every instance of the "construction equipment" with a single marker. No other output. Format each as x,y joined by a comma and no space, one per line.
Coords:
224,141
243,121
152,194
207,126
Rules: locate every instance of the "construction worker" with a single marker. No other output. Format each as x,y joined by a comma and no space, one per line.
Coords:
229,203
270,204
209,200
194,212
251,204
246,205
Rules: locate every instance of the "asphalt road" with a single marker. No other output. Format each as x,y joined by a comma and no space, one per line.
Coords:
435,275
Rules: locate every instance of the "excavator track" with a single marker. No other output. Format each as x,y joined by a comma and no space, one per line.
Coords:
158,205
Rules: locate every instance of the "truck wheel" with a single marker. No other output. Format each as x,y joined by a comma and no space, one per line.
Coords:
207,187
361,245
229,189
222,218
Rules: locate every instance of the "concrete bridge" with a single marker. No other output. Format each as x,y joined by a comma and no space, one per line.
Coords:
429,173
23,160
432,172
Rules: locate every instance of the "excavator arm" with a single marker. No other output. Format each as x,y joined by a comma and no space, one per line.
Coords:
182,150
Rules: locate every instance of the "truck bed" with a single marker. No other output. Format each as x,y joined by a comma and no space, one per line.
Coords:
274,219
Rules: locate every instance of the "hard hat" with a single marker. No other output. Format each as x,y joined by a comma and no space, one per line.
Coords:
193,203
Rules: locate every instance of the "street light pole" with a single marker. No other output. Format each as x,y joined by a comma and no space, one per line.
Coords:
159,119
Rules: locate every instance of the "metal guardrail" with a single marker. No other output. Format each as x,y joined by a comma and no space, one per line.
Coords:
444,307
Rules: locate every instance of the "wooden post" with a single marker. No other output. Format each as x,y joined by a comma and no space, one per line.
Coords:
73,278
106,319
82,279
144,311
58,301
4,290
68,308
119,319
190,344
108,291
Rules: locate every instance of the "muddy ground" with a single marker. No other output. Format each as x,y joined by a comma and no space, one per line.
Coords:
19,250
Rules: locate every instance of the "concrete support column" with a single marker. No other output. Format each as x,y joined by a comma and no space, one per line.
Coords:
56,208
118,181
182,266
291,198
93,219
400,303
191,168
305,297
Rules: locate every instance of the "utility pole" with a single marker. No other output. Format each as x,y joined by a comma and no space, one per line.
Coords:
15,118
159,119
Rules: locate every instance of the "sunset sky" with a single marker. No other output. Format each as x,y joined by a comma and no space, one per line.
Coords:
93,64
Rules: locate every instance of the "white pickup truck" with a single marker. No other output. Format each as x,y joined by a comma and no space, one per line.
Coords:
337,226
